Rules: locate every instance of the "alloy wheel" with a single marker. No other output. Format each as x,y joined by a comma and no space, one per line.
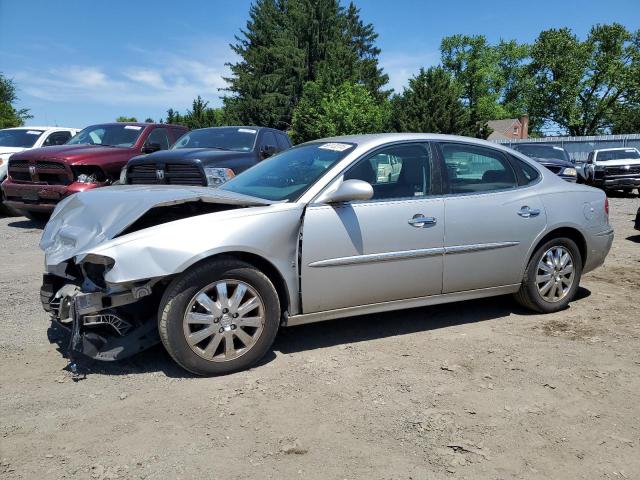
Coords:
224,320
555,274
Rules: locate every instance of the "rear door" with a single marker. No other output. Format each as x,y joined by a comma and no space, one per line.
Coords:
383,249
492,217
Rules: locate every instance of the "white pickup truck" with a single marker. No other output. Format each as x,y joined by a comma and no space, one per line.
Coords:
611,169
13,140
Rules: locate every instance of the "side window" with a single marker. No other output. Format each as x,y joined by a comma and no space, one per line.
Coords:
283,141
399,171
269,139
56,138
526,173
177,133
472,169
159,136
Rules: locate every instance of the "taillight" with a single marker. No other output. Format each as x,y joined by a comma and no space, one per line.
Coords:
606,205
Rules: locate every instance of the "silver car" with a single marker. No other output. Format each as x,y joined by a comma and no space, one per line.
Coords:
313,234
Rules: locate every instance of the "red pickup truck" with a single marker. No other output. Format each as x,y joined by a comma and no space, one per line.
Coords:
38,179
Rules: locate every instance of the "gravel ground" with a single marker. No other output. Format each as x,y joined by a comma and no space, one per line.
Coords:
480,389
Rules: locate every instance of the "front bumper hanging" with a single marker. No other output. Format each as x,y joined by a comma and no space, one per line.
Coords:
98,329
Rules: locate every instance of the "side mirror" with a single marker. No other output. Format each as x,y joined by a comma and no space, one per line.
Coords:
349,190
151,147
267,151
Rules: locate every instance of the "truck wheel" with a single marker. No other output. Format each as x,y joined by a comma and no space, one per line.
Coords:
552,276
6,210
219,317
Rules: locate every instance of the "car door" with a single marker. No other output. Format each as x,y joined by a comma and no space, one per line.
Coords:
387,248
492,217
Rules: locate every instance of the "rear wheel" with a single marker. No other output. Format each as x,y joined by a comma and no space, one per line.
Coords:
219,317
552,276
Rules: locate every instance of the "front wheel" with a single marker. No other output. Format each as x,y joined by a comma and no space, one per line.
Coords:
552,276
219,317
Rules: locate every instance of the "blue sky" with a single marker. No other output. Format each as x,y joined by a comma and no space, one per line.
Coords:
81,62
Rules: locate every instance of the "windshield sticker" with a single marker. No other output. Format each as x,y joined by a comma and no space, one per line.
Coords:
33,132
336,147
132,127
246,130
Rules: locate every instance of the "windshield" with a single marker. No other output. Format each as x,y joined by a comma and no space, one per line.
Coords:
289,174
627,153
108,135
543,152
224,138
19,138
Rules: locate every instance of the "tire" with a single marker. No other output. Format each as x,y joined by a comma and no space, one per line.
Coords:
208,356
6,210
531,294
42,217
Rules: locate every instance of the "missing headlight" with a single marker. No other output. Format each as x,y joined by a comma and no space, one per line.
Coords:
95,267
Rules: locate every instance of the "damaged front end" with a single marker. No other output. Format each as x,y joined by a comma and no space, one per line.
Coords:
107,322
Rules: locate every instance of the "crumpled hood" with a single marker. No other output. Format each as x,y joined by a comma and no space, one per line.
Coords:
87,219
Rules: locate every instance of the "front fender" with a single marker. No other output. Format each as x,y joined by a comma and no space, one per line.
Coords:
168,249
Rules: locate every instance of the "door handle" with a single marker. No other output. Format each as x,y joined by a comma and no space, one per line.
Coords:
526,212
420,221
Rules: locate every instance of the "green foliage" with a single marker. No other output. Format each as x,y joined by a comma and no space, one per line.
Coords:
123,119
200,115
149,120
491,77
431,103
288,43
9,115
343,110
584,86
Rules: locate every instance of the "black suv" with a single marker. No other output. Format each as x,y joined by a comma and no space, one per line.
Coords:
206,157
554,158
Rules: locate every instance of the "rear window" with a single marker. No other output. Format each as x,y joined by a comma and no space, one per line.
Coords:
525,172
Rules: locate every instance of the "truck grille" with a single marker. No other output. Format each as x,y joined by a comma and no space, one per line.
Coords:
47,172
165,174
623,170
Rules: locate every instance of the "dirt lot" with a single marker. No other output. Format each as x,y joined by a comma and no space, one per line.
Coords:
480,389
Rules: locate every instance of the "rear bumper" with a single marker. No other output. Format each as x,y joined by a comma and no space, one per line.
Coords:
39,197
598,246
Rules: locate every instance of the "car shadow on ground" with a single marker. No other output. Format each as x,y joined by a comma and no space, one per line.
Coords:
621,194
319,335
27,224
634,238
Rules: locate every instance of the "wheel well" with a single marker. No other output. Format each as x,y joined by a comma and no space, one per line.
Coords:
567,232
265,267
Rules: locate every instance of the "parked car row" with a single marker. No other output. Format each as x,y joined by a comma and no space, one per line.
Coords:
607,168
327,229
132,153
51,163
14,140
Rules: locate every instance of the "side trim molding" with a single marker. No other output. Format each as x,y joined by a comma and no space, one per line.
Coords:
378,257
408,254
478,247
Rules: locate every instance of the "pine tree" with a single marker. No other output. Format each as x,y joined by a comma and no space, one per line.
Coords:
431,103
287,43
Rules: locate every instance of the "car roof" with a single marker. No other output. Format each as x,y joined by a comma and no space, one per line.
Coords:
33,127
614,149
376,139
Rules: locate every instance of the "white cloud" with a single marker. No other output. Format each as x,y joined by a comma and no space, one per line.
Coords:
401,66
159,79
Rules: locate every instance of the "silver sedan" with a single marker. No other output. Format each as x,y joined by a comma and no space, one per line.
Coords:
315,233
